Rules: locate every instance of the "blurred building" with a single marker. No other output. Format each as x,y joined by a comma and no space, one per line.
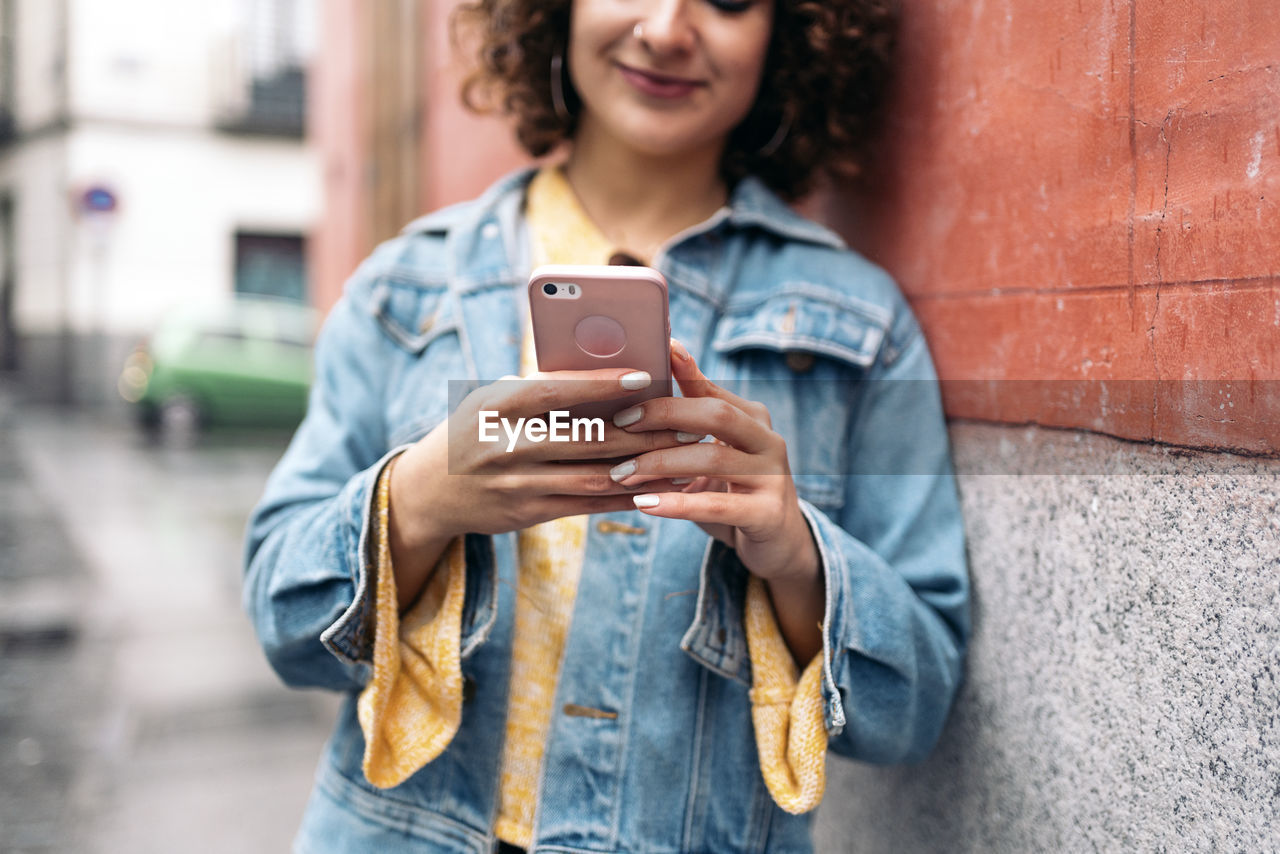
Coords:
151,154
391,130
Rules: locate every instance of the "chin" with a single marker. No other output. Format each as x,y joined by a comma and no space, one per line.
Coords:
656,137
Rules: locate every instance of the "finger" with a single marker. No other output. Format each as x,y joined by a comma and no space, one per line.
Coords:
536,480
593,442
552,390
693,383
616,444
695,417
560,506
731,509
557,506
702,460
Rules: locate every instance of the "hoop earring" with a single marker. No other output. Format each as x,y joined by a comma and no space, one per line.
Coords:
771,147
557,87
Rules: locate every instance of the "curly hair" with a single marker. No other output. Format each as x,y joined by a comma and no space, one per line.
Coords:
826,74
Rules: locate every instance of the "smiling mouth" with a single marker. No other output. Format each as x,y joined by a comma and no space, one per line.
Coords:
659,85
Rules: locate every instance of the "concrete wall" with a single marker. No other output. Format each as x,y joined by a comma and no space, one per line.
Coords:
1124,679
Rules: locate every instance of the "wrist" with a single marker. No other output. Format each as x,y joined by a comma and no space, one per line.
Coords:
414,525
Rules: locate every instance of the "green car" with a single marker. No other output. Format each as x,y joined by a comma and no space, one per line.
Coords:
243,362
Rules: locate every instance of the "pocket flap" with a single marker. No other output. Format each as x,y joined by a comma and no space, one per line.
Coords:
412,314
808,318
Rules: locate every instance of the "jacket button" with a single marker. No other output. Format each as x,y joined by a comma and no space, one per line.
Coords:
799,362
468,689
609,526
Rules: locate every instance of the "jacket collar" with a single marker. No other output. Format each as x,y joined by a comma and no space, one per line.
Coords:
488,244
753,204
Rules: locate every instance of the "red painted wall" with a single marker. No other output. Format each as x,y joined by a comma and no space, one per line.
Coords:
1079,193
1089,191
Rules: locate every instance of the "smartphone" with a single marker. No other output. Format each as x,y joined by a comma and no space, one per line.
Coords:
587,317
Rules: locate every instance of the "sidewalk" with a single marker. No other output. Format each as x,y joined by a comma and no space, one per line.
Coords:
136,711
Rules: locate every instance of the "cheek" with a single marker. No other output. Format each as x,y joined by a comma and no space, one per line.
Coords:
744,72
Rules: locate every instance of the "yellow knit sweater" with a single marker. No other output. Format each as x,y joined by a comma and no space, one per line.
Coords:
412,706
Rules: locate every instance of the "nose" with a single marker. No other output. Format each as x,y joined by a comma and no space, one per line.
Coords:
667,27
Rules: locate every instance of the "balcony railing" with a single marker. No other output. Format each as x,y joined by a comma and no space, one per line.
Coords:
270,103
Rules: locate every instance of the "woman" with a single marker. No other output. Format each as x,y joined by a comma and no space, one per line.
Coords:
546,651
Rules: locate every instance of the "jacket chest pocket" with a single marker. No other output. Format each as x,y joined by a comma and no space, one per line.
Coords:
804,351
423,322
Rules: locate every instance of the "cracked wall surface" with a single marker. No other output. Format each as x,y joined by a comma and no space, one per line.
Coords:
1089,191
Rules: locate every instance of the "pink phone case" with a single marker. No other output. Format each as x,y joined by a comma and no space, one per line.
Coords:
616,317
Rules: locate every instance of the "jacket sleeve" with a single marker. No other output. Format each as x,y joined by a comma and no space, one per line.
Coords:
306,583
897,614
896,621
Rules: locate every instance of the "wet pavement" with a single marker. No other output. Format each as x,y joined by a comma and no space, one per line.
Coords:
136,711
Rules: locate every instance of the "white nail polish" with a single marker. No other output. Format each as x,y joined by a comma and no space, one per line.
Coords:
628,416
636,380
646,500
689,437
622,471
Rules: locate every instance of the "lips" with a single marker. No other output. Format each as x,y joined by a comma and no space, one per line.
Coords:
658,85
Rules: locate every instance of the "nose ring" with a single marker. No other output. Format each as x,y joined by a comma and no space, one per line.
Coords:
638,30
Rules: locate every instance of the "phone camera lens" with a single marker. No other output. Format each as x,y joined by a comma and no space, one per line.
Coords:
549,290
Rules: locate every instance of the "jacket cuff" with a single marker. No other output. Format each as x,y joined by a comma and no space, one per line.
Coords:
351,637
717,639
831,560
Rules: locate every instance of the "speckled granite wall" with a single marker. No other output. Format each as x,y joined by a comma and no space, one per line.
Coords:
1123,685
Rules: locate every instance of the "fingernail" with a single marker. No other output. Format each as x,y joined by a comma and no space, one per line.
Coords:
689,437
681,353
623,471
628,416
636,380
646,500
681,481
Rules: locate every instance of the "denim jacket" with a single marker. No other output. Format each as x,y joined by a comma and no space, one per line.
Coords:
769,303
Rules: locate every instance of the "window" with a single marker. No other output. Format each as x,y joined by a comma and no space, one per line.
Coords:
8,286
273,43
271,265
8,70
